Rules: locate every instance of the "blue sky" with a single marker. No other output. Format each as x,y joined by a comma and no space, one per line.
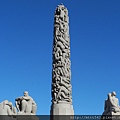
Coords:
26,37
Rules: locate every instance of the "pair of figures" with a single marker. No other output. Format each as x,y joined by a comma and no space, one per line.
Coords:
24,104
112,105
6,108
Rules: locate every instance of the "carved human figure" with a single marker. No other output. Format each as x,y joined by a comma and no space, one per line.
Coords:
64,93
6,108
13,109
114,103
26,104
111,104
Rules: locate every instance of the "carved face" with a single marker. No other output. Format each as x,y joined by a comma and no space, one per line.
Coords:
114,93
25,93
6,102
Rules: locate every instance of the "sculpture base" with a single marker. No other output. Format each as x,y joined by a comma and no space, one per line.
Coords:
62,109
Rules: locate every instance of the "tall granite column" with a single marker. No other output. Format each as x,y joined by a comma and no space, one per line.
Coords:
61,72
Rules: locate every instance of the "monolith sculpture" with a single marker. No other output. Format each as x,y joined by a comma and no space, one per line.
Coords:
61,72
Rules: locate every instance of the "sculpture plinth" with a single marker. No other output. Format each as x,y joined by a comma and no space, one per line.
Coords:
62,109
61,73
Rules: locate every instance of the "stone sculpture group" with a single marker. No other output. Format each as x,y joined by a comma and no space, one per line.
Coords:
6,108
111,105
25,105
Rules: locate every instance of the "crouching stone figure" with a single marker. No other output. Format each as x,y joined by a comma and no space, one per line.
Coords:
26,105
111,105
6,108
